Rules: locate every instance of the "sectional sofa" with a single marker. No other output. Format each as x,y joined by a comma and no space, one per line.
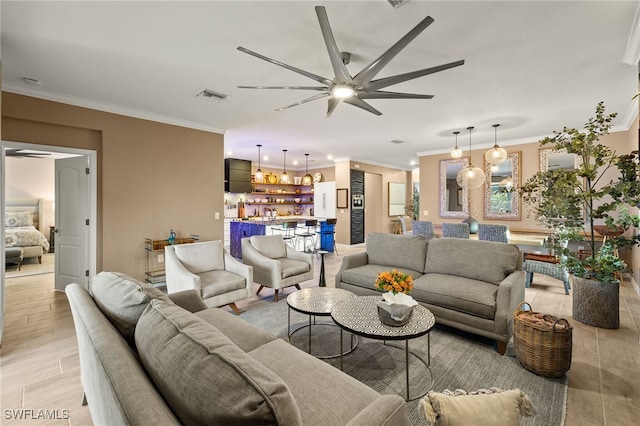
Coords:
147,359
471,285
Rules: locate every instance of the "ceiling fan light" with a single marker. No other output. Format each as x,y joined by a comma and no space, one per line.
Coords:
470,177
342,91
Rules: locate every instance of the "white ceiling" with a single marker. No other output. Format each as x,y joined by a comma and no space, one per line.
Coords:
533,67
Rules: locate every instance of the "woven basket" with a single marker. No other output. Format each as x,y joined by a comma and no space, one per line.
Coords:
542,349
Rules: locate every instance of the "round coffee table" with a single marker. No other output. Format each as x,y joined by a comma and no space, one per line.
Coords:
359,315
318,301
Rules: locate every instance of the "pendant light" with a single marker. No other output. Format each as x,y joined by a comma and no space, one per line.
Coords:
307,179
456,152
259,177
470,176
284,177
495,155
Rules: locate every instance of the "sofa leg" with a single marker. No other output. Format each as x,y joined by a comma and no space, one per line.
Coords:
502,347
234,308
84,399
297,286
260,289
275,297
39,259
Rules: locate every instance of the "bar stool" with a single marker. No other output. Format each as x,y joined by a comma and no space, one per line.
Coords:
308,232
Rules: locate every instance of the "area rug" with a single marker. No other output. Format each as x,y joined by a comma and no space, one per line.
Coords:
458,361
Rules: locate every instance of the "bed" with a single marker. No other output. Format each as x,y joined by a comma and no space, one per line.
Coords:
24,221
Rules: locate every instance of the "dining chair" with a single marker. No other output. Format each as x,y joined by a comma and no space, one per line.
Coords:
425,228
404,224
497,233
306,233
455,230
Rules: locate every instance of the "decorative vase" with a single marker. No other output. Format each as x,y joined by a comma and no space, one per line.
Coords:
396,309
172,237
596,303
473,225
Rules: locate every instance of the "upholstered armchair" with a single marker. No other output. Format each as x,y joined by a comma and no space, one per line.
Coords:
275,264
209,269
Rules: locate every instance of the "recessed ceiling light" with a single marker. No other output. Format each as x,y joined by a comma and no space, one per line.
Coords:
32,81
397,141
329,157
412,162
295,162
229,152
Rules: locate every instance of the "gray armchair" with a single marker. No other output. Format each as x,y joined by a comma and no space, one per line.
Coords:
208,268
275,264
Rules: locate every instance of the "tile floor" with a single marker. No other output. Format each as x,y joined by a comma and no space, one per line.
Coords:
40,365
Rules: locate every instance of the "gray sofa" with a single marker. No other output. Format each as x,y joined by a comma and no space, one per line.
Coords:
147,359
471,285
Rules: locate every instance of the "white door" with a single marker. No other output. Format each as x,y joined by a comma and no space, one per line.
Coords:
72,221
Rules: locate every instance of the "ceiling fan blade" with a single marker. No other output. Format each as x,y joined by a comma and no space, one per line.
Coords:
395,79
339,69
304,101
312,76
362,104
391,95
370,71
332,104
286,87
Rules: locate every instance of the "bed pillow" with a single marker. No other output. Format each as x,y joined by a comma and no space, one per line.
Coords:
14,219
490,407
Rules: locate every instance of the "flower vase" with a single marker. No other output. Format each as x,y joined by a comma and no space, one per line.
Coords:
473,224
396,309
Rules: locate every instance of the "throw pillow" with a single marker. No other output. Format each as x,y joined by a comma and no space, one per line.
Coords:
490,407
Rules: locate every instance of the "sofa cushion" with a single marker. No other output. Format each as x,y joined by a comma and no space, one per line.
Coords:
203,376
292,267
365,276
272,246
481,260
201,257
399,251
314,380
246,336
122,299
220,282
458,293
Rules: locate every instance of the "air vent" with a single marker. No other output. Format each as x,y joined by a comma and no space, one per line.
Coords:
212,96
397,3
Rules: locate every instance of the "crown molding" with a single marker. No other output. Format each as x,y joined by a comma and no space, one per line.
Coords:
113,109
632,53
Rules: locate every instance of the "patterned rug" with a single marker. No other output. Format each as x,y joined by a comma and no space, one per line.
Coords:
458,361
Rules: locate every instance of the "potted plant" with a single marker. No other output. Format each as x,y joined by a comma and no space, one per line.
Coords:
575,203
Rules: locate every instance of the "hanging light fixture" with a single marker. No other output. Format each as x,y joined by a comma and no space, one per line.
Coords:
284,177
470,176
259,176
495,155
307,179
456,152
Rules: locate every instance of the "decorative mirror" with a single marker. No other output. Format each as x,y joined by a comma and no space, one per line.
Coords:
501,200
551,159
454,200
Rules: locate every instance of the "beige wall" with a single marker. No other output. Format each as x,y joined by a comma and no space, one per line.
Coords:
32,178
152,177
430,181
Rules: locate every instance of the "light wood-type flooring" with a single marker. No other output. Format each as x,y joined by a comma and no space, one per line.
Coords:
40,365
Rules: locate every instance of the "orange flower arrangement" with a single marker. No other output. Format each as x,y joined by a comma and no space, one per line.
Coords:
394,281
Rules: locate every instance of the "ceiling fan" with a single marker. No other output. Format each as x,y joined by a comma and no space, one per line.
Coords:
21,153
355,90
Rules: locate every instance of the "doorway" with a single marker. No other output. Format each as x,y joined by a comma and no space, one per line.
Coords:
90,159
